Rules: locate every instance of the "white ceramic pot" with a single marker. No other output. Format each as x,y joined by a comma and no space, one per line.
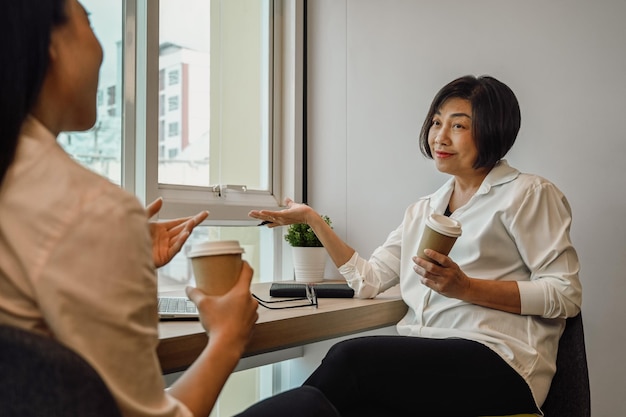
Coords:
309,263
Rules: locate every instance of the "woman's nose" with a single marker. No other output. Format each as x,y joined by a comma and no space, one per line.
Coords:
441,138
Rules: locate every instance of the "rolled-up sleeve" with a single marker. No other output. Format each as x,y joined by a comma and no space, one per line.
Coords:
381,271
554,289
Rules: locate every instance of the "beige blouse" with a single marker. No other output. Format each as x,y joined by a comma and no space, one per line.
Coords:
76,264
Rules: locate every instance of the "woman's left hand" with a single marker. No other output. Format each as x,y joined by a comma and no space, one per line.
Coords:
445,278
169,236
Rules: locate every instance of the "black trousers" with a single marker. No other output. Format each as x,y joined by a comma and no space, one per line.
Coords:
398,376
305,401
411,376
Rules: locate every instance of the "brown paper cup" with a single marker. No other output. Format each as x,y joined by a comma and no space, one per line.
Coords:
440,234
216,265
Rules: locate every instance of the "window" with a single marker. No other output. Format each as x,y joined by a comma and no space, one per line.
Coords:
219,81
111,95
173,77
233,143
172,103
200,102
216,81
172,129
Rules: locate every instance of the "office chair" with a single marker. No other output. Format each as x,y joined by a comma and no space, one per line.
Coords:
39,376
570,394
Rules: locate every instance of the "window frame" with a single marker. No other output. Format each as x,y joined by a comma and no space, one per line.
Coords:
140,121
229,205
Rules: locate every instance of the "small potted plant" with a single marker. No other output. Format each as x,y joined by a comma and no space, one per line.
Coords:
309,256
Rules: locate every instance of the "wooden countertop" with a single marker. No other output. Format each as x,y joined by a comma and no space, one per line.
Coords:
182,341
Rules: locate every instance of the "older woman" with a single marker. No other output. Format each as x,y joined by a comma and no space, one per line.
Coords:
481,333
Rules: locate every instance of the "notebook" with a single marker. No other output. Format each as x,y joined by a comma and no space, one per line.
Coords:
322,290
176,308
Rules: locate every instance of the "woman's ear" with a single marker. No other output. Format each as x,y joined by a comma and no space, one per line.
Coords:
53,52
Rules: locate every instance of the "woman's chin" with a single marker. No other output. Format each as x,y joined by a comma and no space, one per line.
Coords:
84,123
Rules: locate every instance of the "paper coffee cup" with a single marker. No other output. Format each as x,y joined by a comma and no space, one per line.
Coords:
440,233
216,265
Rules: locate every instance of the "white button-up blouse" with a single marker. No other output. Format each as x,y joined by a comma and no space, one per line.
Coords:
515,228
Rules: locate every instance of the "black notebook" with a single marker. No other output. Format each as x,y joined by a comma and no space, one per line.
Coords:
322,290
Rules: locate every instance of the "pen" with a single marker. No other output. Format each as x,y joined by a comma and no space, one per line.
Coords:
264,222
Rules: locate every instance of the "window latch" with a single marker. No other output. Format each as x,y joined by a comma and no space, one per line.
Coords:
220,189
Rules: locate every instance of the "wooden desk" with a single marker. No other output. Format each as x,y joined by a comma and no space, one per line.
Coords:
182,341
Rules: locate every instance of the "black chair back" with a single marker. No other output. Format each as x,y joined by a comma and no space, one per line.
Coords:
570,394
39,376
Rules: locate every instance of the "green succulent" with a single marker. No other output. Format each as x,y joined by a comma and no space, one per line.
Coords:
301,235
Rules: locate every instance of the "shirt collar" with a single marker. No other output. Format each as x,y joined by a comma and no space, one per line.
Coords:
501,173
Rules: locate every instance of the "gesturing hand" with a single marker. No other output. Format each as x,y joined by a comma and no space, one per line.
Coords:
294,213
169,236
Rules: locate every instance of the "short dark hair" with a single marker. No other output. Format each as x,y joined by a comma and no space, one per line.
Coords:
25,30
496,116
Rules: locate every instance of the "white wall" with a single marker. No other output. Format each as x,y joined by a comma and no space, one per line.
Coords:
375,65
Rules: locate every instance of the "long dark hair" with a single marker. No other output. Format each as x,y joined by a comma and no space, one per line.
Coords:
25,29
496,116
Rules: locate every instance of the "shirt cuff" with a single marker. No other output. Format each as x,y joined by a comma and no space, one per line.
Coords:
532,298
355,271
348,267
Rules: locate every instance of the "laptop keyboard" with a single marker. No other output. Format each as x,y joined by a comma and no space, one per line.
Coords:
176,305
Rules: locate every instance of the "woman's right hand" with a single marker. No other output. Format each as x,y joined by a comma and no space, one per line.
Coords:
297,213
294,213
229,318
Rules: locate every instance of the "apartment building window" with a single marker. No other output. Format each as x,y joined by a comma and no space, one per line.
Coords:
111,95
172,103
173,76
172,131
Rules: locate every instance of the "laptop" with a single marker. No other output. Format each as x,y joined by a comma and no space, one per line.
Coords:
171,307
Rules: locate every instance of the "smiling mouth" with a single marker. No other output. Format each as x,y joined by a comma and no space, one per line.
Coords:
443,155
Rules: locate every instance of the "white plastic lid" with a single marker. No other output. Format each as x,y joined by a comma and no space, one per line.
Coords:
444,225
219,247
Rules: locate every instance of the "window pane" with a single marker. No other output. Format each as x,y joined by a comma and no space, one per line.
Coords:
100,148
214,93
